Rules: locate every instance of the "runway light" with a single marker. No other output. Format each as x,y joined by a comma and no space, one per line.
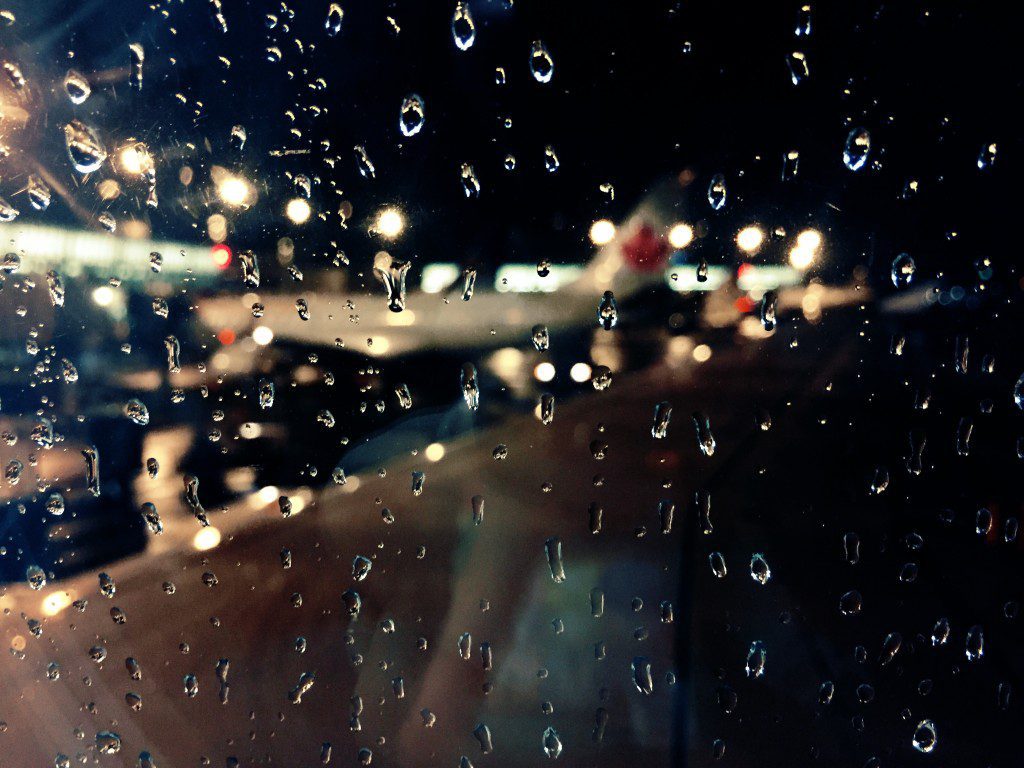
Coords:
268,494
749,239
434,452
234,190
135,160
55,602
680,236
389,223
801,258
810,239
262,335
803,254
206,538
298,211
602,232
580,372
702,353
544,372
103,295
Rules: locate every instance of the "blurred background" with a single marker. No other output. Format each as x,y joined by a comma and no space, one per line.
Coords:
581,382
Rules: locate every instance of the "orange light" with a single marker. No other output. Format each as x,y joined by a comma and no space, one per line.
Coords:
221,255
226,336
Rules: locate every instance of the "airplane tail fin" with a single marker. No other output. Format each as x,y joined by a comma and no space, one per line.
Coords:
638,253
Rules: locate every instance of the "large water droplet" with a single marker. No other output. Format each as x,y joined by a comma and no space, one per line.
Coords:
84,147
903,268
335,14
463,28
76,86
470,386
717,192
925,736
551,743
412,115
857,149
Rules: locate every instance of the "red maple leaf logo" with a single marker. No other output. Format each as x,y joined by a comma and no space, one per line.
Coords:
645,250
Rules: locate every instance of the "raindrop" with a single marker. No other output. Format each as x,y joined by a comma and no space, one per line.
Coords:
36,577
975,643
717,192
857,149
769,304
850,603
470,183
470,386
542,66
798,69
551,743
138,56
642,678
553,551
393,278
463,28
662,417
76,86
757,656
705,439
717,561
334,16
925,736
84,147
39,192
607,311
363,162
987,157
903,268
759,570
136,410
412,115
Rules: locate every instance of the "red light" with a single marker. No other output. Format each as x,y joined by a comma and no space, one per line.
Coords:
226,336
744,304
221,255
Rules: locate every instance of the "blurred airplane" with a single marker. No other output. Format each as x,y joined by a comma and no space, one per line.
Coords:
445,316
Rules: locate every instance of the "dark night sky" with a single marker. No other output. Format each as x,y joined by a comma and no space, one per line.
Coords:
627,105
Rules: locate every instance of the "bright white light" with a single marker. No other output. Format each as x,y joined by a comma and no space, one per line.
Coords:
135,160
809,239
544,372
103,295
390,223
702,353
434,452
380,345
298,211
436,277
801,258
206,538
602,232
680,236
399,319
749,239
580,372
268,494
251,430
262,335
55,602
233,190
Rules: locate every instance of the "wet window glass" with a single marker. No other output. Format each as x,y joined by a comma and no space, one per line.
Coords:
504,382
